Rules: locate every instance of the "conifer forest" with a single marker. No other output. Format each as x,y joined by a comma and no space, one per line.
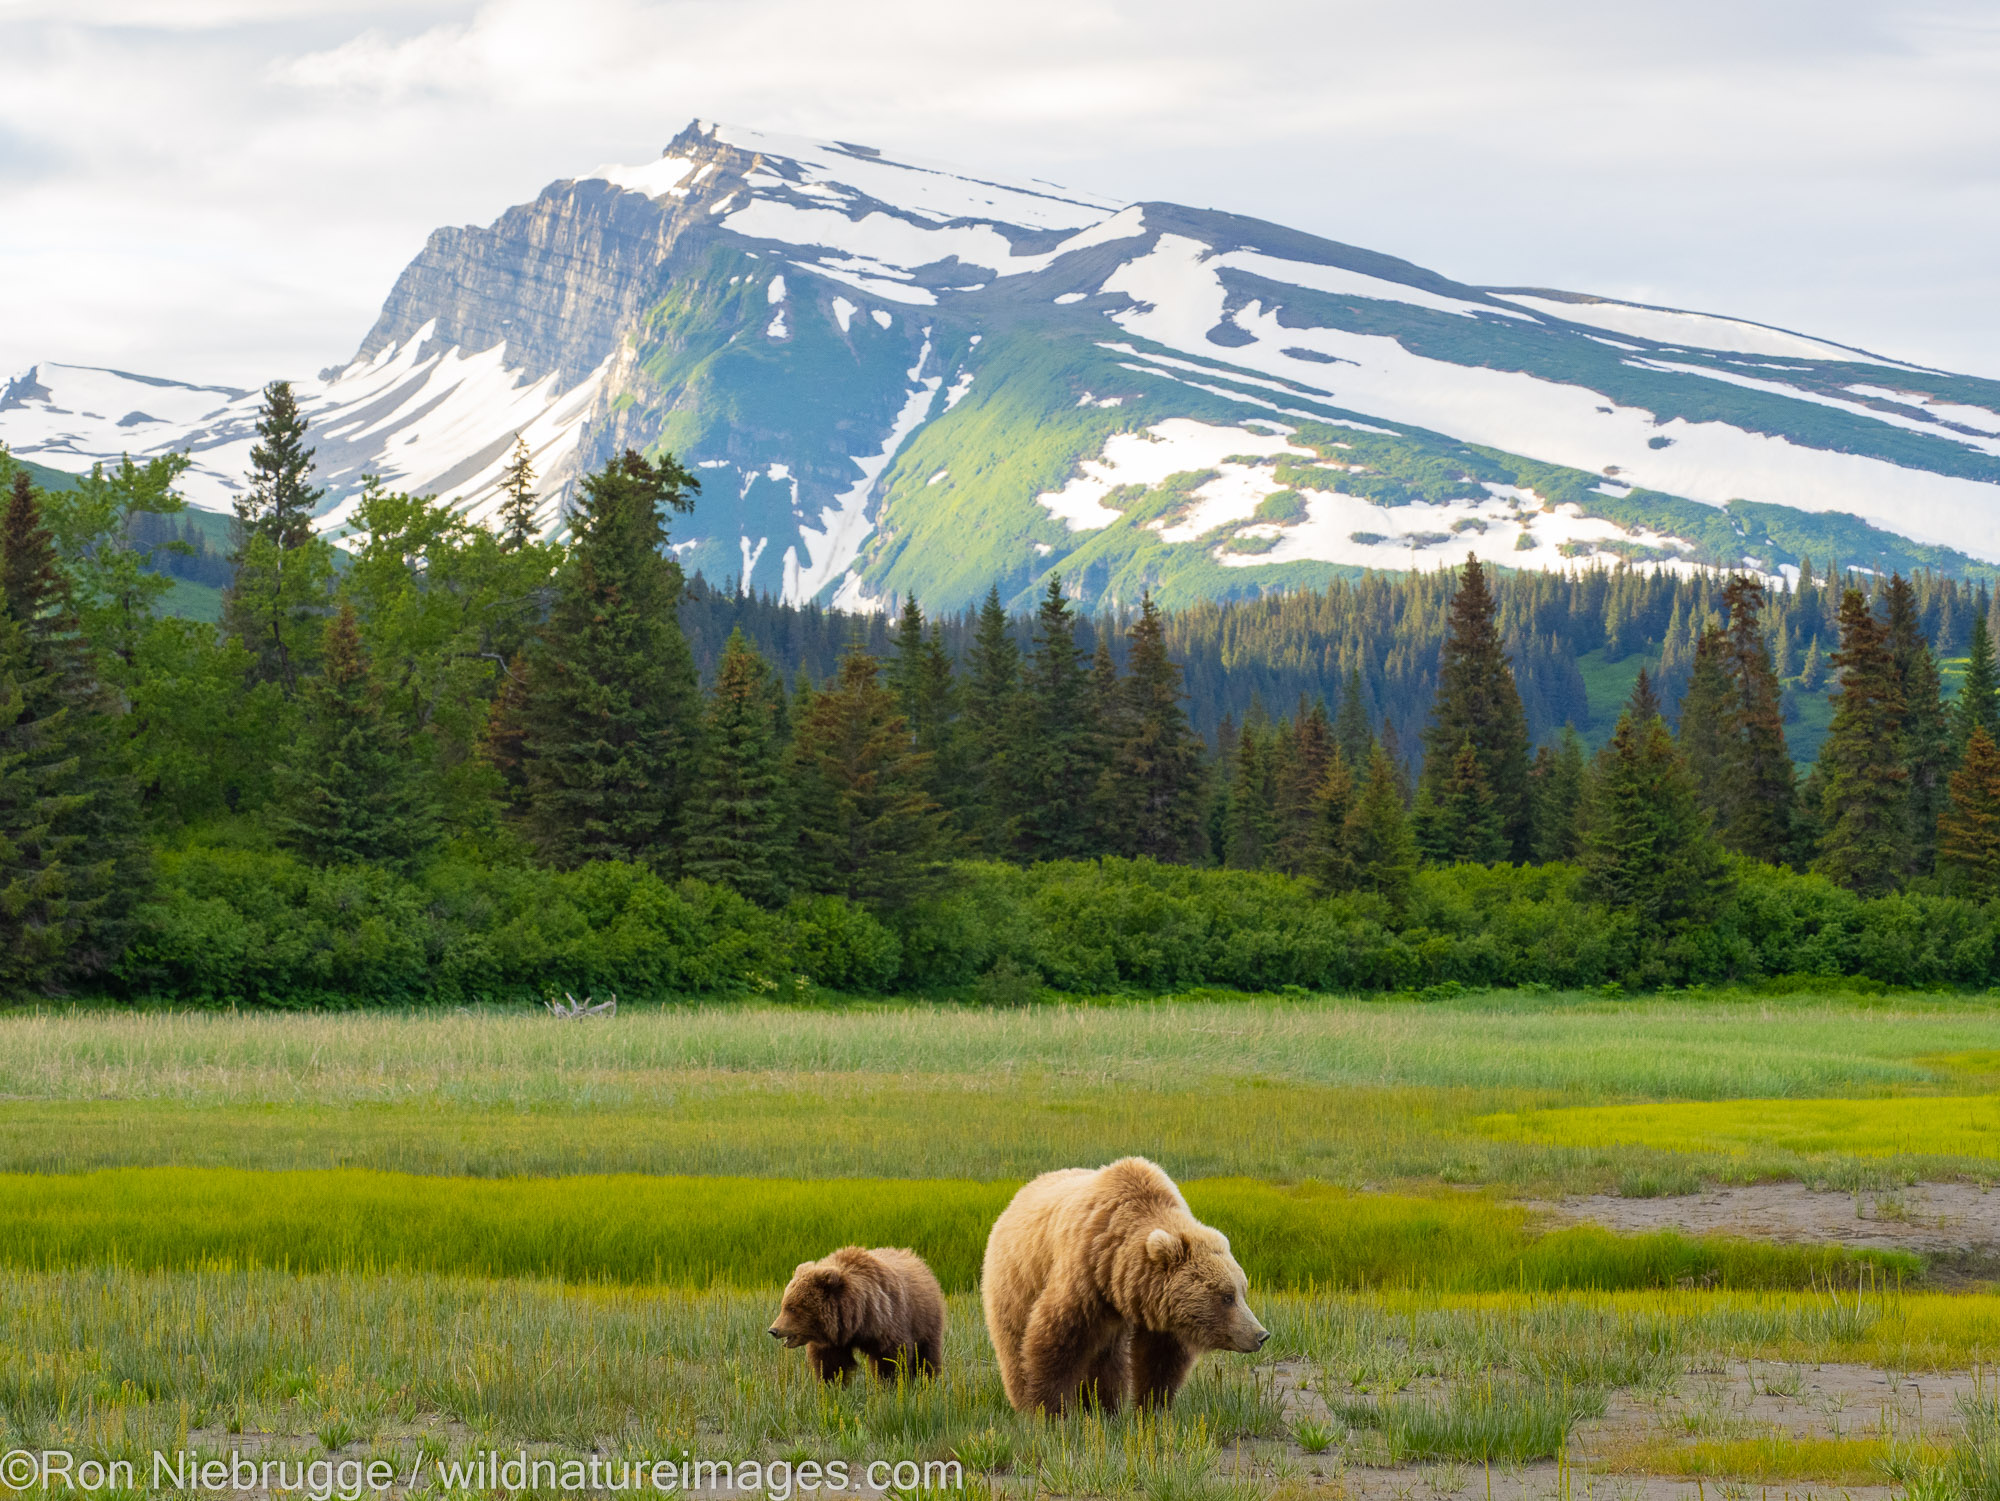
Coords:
424,759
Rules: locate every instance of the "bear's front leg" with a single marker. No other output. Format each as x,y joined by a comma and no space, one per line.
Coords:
1063,1341
1160,1363
1109,1376
831,1361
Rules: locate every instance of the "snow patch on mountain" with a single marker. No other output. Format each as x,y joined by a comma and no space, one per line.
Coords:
1176,446
1177,298
833,545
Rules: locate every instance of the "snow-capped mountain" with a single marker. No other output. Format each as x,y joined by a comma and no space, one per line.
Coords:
896,375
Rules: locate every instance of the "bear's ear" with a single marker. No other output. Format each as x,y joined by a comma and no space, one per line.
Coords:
829,1278
803,1267
1165,1247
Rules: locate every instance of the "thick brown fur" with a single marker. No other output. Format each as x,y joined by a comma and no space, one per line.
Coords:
1101,1285
881,1305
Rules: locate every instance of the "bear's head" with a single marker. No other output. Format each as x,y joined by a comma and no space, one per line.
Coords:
1204,1300
813,1308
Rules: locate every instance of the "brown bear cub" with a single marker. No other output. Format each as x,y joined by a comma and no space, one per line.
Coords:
881,1304
1101,1285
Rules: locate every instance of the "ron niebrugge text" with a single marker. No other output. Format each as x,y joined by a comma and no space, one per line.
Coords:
486,1470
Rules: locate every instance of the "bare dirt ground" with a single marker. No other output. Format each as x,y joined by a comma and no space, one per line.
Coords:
1957,1224
1736,1399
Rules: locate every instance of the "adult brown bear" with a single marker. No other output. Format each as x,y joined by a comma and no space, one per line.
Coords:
1104,1282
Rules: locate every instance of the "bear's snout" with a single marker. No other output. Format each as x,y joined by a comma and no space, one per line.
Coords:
775,1332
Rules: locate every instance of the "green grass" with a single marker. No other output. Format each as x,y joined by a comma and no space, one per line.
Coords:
1342,1091
192,601
113,1360
751,1232
1580,1049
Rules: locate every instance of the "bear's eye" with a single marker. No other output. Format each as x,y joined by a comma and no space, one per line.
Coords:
1229,1297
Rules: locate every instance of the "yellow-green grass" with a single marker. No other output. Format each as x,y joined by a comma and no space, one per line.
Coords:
1966,1126
1775,1458
751,1232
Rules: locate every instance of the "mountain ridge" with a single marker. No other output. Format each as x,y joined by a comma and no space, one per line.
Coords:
899,376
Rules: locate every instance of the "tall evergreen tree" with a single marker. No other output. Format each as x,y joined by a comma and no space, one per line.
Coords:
1864,803
1350,722
350,790
1969,829
1329,859
1647,846
1379,841
1457,816
868,830
1924,730
1153,784
1479,706
1977,706
1644,703
1253,824
72,861
1703,733
1556,790
1758,779
927,694
1056,743
277,599
739,825
518,498
992,712
614,709
281,497
1298,780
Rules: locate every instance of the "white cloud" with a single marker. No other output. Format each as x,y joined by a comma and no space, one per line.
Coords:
221,189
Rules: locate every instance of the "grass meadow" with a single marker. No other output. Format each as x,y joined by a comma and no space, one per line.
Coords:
422,1236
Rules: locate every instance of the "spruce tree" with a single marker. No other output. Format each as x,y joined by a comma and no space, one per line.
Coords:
1703,733
1153,784
72,861
1379,842
1253,824
868,830
1457,817
1056,742
992,712
1557,790
739,826
277,597
614,709
927,694
1969,829
1864,802
518,498
1647,848
1329,858
1924,730
1644,704
1299,778
1479,706
350,791
1758,780
1977,706
1350,721
281,498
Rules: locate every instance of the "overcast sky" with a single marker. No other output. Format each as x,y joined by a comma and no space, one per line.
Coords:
224,190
